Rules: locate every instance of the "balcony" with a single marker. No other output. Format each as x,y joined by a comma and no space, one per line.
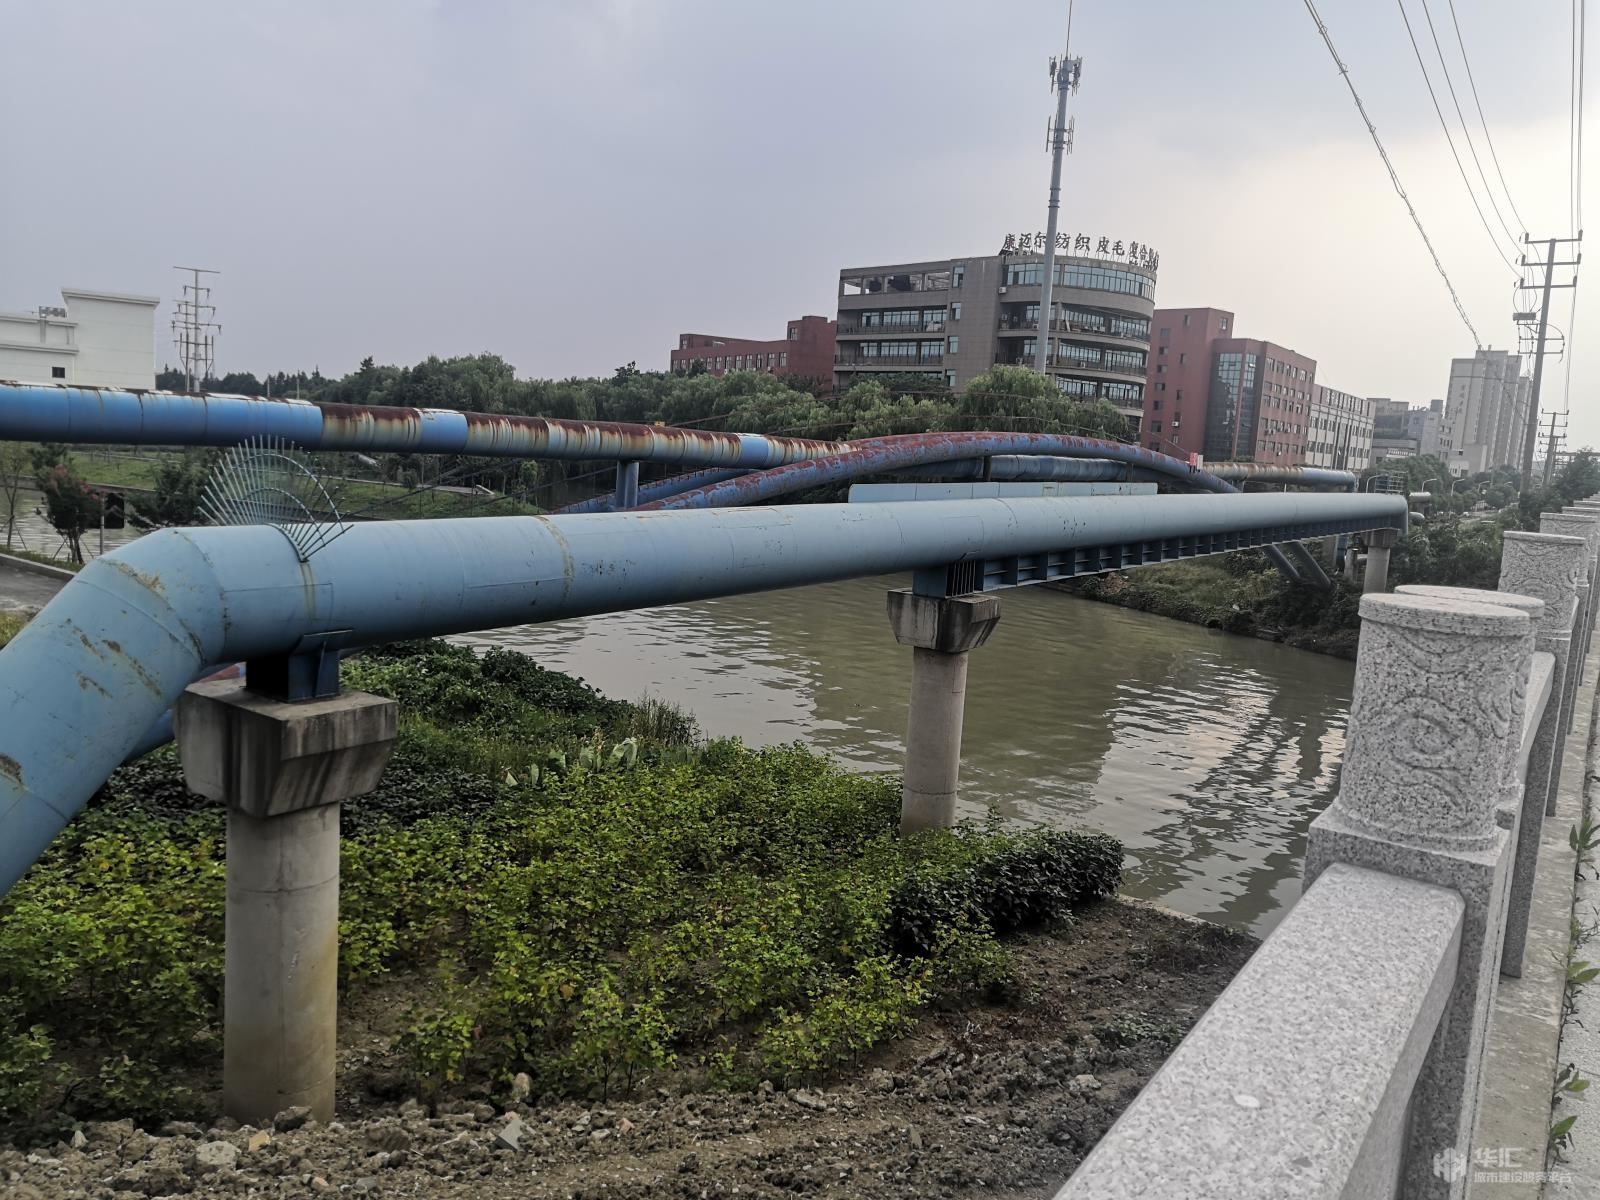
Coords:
855,329
1009,325
857,362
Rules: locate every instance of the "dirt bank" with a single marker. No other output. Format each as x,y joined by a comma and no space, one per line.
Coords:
1001,1099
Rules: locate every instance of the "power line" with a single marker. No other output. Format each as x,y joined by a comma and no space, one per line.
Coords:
1394,176
1467,133
1451,142
1482,120
1577,173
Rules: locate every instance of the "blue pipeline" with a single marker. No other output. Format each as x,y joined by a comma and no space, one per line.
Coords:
659,490
79,415
1031,467
84,681
886,455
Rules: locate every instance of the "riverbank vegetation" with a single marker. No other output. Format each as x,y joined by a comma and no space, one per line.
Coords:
547,881
1243,593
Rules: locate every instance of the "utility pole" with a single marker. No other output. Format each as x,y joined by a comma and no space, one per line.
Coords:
1064,73
1551,441
1549,263
194,329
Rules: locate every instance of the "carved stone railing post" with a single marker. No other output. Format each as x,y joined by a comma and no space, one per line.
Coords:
1435,723
1587,527
1589,508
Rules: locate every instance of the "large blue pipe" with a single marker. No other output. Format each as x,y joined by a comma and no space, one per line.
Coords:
87,677
82,415
886,455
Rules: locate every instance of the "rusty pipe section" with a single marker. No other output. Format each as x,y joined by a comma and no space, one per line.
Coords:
52,413
1315,477
84,681
887,455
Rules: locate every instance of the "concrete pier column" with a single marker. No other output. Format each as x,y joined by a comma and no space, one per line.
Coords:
1435,724
627,493
1379,543
281,769
941,631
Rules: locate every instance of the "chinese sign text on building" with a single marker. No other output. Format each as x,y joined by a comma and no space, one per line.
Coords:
1132,253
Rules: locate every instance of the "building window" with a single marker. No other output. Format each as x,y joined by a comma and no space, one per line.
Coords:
1182,358
1179,395
1166,332
683,342
950,379
1223,325
955,344
1155,426
58,372
1155,406
958,272
794,333
783,358
1163,352
1161,387
1186,320
955,313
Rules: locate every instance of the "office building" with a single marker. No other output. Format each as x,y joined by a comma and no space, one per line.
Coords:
952,319
1339,432
94,339
805,352
1486,406
1222,397
1178,384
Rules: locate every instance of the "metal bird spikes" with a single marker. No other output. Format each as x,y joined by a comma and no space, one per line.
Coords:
265,481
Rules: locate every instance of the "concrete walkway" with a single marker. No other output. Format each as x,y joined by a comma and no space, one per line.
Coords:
1526,1040
26,591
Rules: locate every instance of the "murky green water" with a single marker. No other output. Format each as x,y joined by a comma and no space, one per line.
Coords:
1207,754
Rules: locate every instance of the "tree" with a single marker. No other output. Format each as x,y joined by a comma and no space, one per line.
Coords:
71,505
179,484
1015,399
15,462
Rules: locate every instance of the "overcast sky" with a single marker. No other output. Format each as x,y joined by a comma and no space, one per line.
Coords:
571,183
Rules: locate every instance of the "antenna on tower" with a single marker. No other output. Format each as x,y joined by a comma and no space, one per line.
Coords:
195,329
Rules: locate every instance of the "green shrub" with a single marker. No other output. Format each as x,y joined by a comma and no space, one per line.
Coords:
600,902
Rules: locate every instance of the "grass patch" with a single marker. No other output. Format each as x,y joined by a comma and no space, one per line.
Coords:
597,898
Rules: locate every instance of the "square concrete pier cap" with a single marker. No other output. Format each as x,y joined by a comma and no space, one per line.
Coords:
266,757
948,624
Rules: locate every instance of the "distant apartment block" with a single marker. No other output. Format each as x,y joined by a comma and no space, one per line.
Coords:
1486,406
93,339
806,351
952,319
1228,398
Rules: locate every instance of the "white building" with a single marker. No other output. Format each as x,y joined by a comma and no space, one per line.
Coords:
1338,430
1487,408
94,339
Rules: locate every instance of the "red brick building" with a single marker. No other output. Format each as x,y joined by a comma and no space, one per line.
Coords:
806,351
1227,398
1178,377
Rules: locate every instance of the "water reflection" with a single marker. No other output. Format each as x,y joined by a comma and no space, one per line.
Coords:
1206,754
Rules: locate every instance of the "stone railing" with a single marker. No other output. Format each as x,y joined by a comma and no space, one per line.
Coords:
1345,1059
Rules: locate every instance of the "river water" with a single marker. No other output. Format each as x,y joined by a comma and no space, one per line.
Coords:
1205,753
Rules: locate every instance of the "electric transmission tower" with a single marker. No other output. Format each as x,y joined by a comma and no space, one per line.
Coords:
195,328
